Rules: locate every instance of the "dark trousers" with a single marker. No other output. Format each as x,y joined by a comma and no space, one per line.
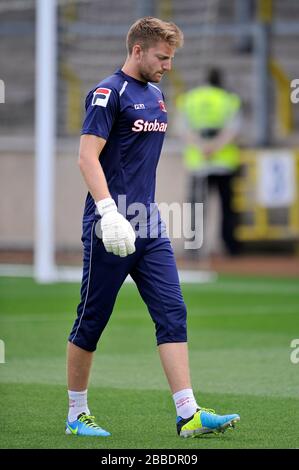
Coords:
199,190
152,267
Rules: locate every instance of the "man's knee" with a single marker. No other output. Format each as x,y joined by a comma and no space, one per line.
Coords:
174,327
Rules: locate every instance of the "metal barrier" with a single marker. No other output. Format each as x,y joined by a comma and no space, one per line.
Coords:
266,195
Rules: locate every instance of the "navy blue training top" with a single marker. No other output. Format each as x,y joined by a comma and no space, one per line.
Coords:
131,116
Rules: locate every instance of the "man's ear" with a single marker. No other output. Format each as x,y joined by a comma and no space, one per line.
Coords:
137,52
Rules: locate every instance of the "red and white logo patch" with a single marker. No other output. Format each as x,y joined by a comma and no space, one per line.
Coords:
101,97
162,106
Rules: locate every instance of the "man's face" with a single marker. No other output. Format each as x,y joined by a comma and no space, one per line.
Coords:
155,61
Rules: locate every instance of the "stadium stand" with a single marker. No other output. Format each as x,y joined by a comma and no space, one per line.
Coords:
85,56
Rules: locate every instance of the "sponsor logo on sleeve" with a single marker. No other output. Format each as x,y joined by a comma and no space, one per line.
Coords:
101,97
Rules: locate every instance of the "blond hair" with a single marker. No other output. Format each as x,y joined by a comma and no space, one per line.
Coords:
148,31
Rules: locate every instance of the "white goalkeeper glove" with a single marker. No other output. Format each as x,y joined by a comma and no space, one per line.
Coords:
117,233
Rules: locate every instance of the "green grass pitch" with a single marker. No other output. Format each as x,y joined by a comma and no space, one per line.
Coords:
240,331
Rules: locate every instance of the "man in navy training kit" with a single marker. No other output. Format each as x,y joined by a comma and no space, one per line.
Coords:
120,146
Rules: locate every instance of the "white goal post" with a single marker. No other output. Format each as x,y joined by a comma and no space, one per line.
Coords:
45,137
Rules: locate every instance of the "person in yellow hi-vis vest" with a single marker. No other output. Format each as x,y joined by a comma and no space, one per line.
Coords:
209,123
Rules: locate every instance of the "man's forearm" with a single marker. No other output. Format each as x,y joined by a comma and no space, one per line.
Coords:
94,177
90,148
225,137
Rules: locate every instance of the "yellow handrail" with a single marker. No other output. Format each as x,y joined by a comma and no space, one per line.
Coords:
264,10
74,111
283,102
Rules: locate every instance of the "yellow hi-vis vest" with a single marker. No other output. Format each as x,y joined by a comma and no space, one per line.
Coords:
204,108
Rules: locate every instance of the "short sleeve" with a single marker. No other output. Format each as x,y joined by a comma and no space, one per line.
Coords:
102,106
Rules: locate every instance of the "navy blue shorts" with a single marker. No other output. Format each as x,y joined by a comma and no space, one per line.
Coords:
154,271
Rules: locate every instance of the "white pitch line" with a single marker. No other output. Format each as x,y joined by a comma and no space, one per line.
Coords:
74,274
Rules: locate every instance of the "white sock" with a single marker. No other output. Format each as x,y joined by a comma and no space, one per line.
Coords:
185,403
77,404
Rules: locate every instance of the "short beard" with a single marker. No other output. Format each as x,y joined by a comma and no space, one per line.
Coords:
147,76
